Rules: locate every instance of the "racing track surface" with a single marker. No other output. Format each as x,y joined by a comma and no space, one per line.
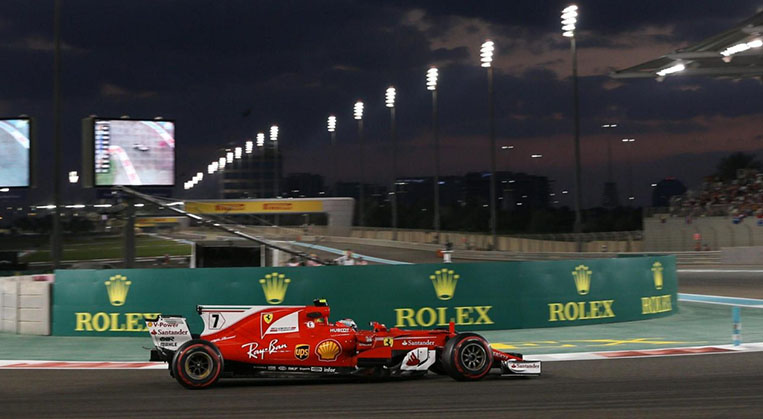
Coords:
690,386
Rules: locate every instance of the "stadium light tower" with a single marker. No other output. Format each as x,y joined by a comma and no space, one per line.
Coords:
261,146
610,188
249,146
569,19
357,113
238,152
389,99
331,126
628,144
274,140
56,242
432,75
486,58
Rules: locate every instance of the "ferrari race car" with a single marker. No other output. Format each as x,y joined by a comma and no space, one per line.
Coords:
261,341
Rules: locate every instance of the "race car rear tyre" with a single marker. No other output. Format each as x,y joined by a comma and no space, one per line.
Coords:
197,364
467,357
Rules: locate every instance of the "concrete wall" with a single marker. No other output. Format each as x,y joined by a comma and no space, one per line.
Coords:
25,304
9,297
465,240
746,255
677,233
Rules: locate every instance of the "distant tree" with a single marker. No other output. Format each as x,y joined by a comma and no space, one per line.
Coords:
727,168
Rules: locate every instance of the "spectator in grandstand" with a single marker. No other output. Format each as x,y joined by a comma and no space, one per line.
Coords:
740,197
292,262
311,262
347,259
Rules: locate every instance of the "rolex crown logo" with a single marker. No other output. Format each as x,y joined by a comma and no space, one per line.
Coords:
444,282
117,286
274,285
657,275
582,277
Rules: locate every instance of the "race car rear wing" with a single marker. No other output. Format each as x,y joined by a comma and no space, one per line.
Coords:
168,332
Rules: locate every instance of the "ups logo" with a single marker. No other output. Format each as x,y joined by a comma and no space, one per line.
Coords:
301,352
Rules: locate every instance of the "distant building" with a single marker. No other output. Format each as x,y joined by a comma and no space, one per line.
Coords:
513,190
665,189
253,176
304,185
610,199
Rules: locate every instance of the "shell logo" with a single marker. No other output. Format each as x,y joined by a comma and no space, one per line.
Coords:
328,350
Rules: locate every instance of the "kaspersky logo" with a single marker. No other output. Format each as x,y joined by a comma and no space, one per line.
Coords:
274,286
582,277
117,287
657,275
444,281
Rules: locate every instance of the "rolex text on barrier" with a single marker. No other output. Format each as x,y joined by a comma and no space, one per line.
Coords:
475,296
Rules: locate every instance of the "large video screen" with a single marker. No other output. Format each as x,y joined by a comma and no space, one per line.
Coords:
15,153
134,152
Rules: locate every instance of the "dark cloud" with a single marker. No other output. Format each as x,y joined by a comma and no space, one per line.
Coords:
227,69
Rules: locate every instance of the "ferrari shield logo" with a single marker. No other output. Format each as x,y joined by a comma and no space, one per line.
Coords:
267,317
388,341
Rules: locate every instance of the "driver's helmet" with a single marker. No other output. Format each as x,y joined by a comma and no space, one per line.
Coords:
348,323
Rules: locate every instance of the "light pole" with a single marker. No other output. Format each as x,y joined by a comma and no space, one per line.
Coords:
390,103
332,158
628,142
569,18
610,190
486,57
432,74
358,115
274,140
56,248
261,146
249,149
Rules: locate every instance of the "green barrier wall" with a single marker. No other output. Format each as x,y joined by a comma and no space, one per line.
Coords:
477,296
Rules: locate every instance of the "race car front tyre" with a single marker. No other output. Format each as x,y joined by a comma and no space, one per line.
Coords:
197,364
467,357
437,368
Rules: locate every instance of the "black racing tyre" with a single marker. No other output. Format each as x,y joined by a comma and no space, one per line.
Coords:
467,357
437,368
197,364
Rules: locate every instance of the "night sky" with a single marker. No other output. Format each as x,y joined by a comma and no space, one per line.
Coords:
225,70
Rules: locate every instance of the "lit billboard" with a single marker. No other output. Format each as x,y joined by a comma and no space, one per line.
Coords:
131,152
15,152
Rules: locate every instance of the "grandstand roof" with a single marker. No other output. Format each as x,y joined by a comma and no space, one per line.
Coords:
735,53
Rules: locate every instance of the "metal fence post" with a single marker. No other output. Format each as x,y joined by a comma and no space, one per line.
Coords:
736,320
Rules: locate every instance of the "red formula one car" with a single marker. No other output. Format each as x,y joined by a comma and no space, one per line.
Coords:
260,341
